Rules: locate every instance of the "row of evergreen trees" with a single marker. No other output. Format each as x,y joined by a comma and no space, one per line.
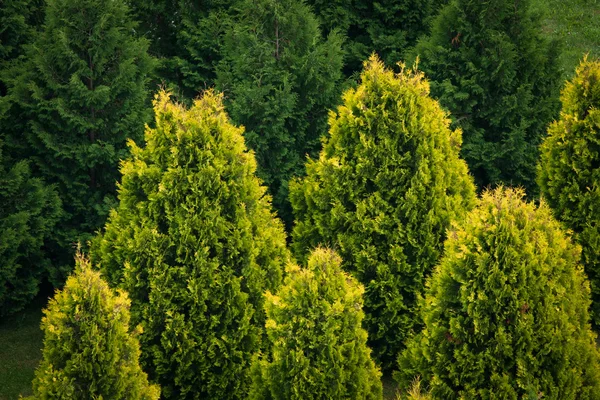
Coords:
76,78
479,298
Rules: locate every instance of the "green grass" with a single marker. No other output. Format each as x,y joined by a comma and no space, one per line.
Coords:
20,351
575,24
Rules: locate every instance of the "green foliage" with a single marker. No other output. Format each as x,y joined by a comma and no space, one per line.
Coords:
385,188
492,69
387,27
29,211
188,36
319,349
505,311
89,351
83,92
569,169
195,244
18,19
280,78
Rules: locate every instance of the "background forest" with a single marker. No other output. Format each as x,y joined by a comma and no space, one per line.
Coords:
292,199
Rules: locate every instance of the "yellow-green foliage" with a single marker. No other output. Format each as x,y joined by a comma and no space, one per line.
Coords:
506,311
569,170
382,193
89,351
195,244
318,348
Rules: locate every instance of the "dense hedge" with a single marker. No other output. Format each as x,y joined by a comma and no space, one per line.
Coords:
382,193
195,244
506,311
318,348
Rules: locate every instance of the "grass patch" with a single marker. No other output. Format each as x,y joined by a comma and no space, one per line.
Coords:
20,350
575,24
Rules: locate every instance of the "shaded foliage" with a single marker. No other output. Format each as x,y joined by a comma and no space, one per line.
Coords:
280,79
490,66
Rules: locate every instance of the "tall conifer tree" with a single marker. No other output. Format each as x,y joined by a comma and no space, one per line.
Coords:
84,92
569,169
195,244
280,79
491,67
383,192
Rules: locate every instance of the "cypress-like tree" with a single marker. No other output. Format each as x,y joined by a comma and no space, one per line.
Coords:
506,311
385,188
195,244
569,169
491,67
319,348
29,211
387,27
89,350
280,79
84,94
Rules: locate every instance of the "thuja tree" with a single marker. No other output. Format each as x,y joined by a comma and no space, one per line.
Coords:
195,244
84,93
383,191
319,348
491,67
569,169
388,27
89,349
506,311
280,78
29,210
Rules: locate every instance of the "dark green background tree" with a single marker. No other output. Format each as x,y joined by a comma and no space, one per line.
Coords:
280,78
506,311
382,193
569,168
89,350
29,210
195,244
387,27
490,66
84,93
319,349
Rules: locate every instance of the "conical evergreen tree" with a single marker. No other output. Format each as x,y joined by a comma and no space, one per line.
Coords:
29,211
280,79
319,348
84,93
384,190
505,311
89,351
195,244
491,67
569,169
